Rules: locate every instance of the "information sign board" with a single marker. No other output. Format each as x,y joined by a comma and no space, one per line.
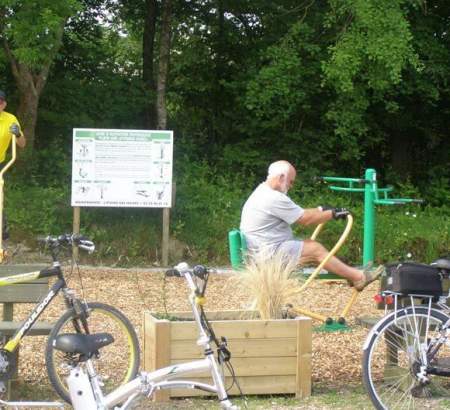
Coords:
122,168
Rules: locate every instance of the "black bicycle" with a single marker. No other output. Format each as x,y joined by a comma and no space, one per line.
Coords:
83,317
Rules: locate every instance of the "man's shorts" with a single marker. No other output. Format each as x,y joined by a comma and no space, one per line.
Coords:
292,250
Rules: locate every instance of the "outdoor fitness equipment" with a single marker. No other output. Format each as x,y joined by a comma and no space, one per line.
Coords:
238,248
329,323
372,196
2,183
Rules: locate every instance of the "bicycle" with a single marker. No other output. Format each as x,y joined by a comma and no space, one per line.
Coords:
80,317
406,356
86,392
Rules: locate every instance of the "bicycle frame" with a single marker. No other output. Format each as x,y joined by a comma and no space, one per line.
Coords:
147,383
55,270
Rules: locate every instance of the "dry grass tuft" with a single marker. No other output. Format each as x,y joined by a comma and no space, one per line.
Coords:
270,283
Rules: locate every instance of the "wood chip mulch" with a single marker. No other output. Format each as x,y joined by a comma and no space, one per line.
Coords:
336,356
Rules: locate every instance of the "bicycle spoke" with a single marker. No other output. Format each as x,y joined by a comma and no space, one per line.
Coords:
397,361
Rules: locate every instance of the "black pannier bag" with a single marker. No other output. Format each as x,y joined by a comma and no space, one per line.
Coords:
414,278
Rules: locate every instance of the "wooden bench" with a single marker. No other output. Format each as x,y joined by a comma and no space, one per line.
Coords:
27,292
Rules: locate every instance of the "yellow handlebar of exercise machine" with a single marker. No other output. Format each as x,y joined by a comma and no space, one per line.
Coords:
294,311
2,183
332,252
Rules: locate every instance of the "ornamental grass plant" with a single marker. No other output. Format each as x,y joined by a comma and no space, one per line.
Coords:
270,282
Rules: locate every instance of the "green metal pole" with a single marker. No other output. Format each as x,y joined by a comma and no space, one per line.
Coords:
369,216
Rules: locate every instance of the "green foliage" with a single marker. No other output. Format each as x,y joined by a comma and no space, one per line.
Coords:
33,27
49,168
374,46
280,86
34,211
335,87
416,234
207,207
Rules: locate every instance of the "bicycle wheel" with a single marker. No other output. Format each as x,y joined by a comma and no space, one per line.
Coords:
394,353
116,364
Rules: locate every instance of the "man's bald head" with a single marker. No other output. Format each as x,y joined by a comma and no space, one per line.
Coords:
281,175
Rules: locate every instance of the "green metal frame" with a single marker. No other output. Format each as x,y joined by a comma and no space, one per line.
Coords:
372,198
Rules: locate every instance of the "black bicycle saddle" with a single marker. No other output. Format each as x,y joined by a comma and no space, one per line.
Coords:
86,345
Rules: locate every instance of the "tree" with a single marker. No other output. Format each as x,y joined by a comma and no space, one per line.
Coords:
31,33
163,66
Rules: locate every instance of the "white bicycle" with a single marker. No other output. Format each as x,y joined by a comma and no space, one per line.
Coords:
85,385
406,360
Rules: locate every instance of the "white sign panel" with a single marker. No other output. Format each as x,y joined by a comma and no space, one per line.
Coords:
122,168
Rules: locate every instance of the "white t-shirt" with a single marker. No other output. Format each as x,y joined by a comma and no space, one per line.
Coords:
266,218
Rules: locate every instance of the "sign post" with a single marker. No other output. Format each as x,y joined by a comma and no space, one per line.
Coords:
123,168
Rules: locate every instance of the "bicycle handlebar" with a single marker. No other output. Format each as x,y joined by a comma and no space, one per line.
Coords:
68,239
199,270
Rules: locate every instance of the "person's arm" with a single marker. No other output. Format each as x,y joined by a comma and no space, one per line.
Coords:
20,137
21,140
315,216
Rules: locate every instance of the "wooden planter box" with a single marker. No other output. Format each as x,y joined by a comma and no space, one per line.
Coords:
268,356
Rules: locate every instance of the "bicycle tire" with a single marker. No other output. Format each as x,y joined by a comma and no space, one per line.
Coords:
117,363
391,360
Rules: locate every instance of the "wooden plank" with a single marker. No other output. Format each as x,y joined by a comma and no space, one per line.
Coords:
259,366
8,311
31,291
157,348
281,347
220,315
38,329
146,345
249,385
165,227
23,293
165,236
8,270
239,329
303,362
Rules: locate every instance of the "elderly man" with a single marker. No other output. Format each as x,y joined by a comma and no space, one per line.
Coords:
267,217
8,126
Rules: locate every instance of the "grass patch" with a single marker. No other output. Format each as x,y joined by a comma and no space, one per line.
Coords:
349,397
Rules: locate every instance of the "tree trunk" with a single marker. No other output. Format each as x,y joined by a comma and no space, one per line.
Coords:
30,85
400,144
163,68
151,9
28,107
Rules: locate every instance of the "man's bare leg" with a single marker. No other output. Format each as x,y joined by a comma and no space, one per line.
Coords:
315,252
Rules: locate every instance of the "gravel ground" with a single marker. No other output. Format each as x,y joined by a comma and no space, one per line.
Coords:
336,356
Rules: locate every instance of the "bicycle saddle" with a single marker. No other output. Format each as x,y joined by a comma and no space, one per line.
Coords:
86,345
441,263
